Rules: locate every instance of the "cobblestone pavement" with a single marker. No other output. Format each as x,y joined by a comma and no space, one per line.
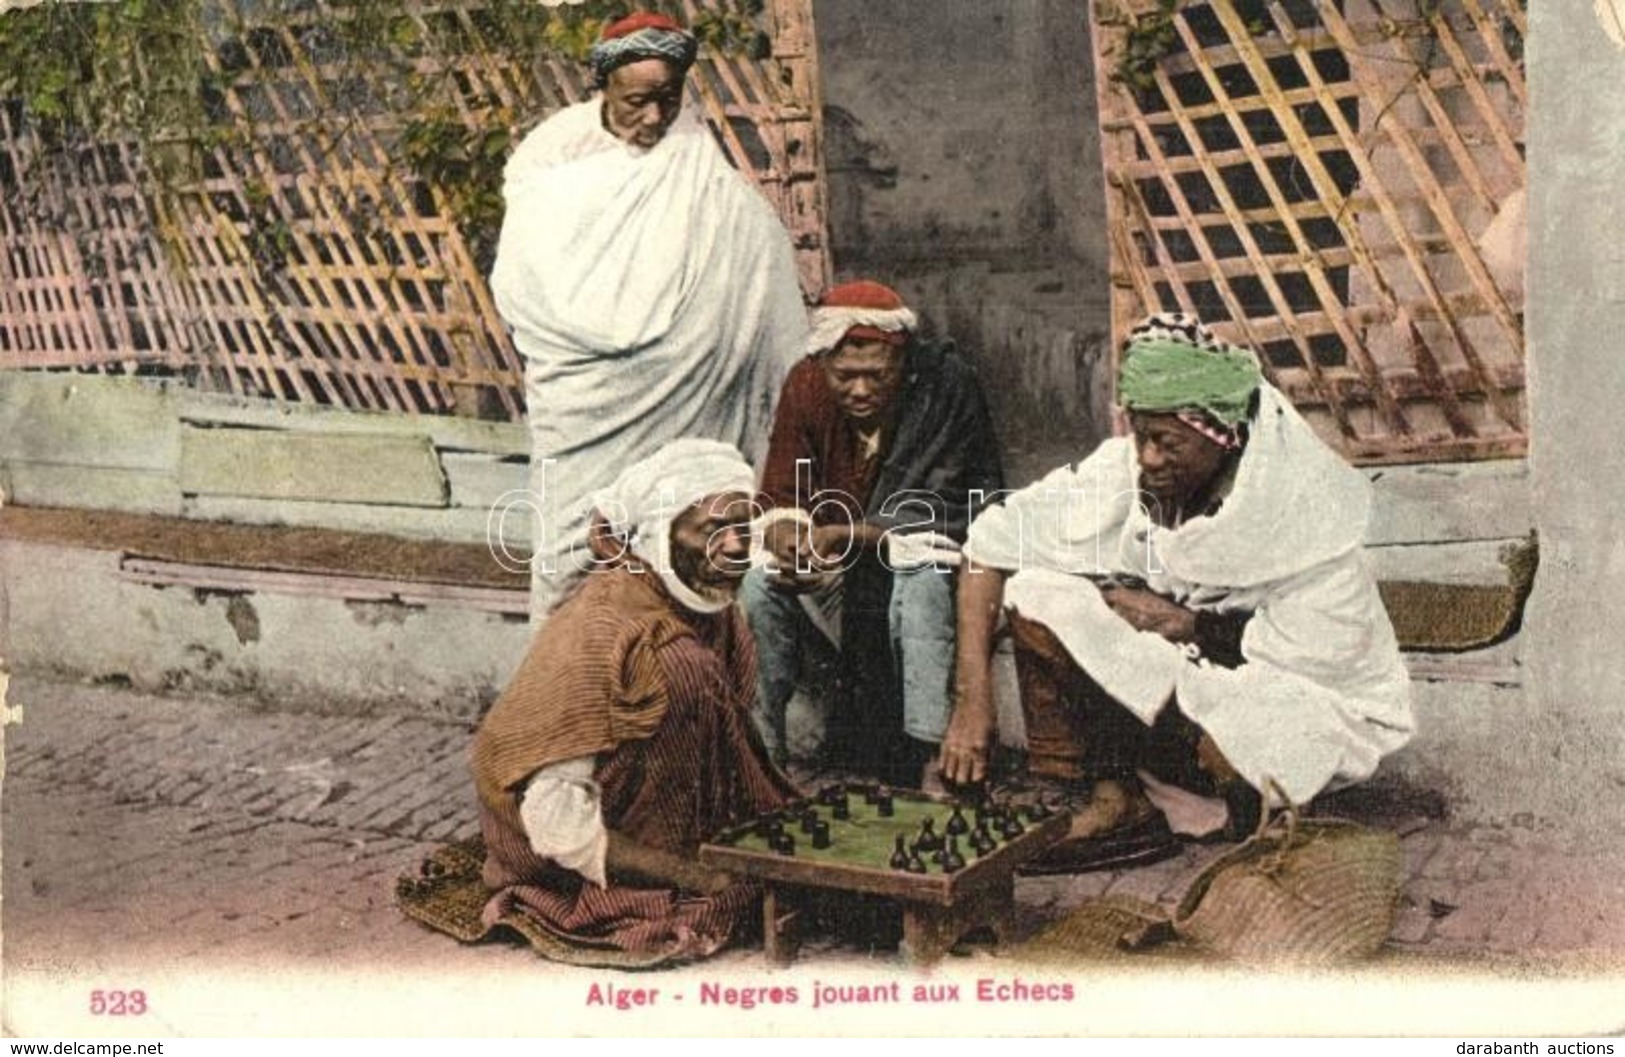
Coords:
152,835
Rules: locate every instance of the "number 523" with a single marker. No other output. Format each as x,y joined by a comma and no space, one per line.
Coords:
118,1003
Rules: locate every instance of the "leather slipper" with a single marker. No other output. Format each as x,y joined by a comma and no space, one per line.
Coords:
1137,844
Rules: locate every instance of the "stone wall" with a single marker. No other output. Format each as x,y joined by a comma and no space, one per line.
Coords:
1576,273
964,167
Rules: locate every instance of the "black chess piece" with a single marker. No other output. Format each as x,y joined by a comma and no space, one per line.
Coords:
809,819
915,863
899,855
841,809
1013,828
820,834
928,839
957,826
884,806
785,844
982,841
952,860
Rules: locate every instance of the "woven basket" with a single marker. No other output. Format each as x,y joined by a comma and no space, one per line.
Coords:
1299,891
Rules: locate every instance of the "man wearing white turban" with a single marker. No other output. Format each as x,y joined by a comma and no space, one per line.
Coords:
625,739
651,290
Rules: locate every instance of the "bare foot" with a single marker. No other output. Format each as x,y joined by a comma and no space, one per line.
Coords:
1112,805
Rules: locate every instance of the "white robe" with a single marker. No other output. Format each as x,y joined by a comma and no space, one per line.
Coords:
653,294
1323,695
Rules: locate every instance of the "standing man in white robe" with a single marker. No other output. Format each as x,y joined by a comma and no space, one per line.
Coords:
1193,617
650,287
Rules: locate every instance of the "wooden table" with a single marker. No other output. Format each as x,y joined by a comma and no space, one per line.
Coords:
937,907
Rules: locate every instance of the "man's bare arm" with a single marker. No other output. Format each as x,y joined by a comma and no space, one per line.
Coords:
1146,610
975,720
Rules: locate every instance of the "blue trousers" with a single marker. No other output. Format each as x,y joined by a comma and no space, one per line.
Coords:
920,617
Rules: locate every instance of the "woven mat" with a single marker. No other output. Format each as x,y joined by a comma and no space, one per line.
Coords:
446,894
1116,929
1436,617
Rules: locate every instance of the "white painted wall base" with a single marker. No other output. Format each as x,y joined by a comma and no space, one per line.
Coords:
68,611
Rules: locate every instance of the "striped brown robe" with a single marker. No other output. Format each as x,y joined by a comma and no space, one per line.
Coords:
661,697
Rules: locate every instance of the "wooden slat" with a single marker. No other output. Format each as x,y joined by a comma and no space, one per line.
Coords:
1444,367
1327,189
1139,221
1508,409
1489,114
1256,262
337,322
1466,247
1392,414
1224,104
1405,385
1511,70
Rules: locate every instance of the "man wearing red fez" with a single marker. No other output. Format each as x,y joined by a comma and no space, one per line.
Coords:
650,288
882,451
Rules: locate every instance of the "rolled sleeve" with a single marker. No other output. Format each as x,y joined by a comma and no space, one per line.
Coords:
563,820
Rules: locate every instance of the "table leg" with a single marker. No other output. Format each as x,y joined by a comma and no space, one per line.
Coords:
781,934
930,932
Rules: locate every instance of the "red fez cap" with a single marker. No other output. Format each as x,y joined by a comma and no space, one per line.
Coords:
864,293
641,20
863,311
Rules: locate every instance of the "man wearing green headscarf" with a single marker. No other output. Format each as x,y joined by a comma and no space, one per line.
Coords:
1193,620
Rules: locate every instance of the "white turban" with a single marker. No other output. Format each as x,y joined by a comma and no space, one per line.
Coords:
649,495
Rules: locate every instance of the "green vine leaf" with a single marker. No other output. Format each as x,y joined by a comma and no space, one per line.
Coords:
212,89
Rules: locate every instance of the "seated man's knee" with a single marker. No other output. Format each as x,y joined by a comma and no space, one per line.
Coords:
770,612
922,605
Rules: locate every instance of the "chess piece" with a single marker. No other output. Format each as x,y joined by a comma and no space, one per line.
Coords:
820,834
982,841
952,860
883,804
1013,828
841,809
957,825
809,819
928,839
899,855
785,844
915,863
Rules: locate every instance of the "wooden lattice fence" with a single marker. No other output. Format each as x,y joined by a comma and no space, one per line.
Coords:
1318,177
300,256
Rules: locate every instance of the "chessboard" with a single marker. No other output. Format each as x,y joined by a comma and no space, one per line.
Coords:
949,864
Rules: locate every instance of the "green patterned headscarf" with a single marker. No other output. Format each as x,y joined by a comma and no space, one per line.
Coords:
1162,374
